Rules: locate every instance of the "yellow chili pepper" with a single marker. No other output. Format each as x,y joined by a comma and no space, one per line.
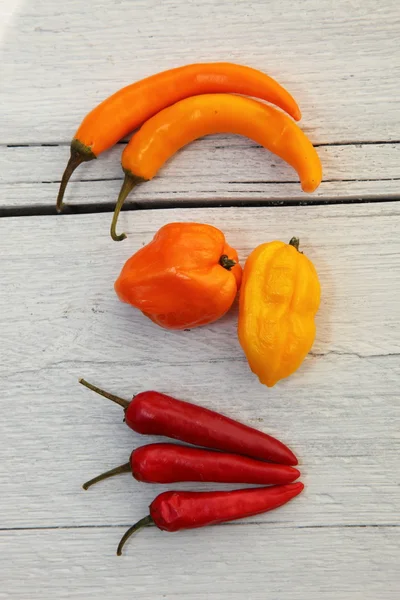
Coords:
279,298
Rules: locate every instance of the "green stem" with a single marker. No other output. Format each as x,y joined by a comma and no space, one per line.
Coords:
129,183
295,243
126,468
226,262
116,399
145,522
79,154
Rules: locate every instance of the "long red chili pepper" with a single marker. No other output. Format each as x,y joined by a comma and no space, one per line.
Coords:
170,463
158,414
172,511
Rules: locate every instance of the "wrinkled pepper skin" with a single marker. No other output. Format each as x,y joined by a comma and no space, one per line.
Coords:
178,280
279,298
173,511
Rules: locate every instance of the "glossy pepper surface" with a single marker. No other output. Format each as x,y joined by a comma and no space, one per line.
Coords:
174,127
153,413
171,463
130,106
173,511
279,298
185,277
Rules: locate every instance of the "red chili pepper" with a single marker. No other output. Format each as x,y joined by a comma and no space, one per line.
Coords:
158,414
172,511
169,463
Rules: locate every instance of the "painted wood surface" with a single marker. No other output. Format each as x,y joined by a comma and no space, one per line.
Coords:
340,60
214,170
228,562
61,320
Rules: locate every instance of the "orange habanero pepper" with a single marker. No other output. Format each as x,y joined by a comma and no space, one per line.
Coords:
279,298
185,277
174,127
131,106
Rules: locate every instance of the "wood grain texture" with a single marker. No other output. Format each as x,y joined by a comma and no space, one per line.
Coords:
61,320
339,59
236,562
216,169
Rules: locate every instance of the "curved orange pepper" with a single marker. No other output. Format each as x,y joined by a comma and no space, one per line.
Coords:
174,127
185,277
279,298
131,106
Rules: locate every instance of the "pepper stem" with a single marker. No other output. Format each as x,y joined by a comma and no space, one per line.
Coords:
145,522
226,262
116,399
126,468
129,183
79,153
295,243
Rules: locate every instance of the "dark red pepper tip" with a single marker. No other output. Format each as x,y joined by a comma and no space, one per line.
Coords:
290,458
297,487
296,473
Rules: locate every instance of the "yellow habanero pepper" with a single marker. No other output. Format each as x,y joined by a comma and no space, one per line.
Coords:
279,298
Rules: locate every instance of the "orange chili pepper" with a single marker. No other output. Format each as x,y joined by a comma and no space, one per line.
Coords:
128,108
185,277
174,127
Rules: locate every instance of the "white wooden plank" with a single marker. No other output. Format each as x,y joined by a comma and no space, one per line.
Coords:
257,562
218,167
215,159
61,320
340,60
147,196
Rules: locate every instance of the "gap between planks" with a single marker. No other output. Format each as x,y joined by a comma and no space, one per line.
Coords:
125,141
79,209
197,177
